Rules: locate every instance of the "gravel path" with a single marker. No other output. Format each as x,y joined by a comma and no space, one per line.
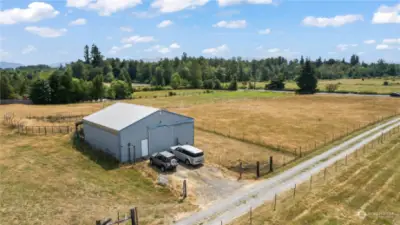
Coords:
228,209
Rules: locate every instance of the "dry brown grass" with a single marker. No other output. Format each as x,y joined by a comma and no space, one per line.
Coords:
44,180
370,182
229,152
293,121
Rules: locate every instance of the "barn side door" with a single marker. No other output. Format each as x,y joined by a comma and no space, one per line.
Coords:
145,147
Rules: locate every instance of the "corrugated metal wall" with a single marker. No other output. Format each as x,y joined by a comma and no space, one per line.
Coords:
100,139
162,131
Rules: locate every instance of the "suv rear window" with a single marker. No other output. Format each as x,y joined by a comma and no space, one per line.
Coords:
192,154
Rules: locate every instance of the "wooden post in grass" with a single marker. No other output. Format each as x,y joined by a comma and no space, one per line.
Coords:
251,216
345,162
271,167
275,203
133,216
240,170
310,182
324,174
258,169
300,151
294,191
184,190
118,217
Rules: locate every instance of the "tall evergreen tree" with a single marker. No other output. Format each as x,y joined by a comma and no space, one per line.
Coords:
86,54
307,81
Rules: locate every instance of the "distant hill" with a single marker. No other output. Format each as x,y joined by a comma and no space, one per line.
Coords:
9,65
57,65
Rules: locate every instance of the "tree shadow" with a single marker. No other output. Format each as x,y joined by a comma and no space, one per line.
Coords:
105,160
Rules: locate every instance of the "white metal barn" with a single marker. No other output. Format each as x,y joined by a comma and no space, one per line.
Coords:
129,131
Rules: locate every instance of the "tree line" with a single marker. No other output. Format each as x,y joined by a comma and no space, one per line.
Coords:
95,76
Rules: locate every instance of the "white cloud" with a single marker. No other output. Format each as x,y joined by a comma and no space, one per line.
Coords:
336,21
163,49
174,46
382,47
235,24
126,29
115,49
46,31
28,49
217,51
369,42
273,50
391,41
344,47
77,22
234,2
387,14
169,6
104,7
165,23
138,39
35,12
266,31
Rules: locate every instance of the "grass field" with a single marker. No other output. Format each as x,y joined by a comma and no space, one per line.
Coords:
350,85
357,85
44,180
364,192
293,121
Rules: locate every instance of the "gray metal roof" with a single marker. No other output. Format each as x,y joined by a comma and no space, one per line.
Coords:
120,115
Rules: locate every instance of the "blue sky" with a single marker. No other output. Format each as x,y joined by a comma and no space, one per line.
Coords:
53,31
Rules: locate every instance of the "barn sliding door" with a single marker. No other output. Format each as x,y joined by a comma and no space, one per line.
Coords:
161,138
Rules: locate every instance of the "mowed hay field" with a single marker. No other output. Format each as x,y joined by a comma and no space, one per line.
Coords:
44,180
365,192
294,121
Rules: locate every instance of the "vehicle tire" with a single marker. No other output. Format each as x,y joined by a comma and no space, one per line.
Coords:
187,162
151,162
162,169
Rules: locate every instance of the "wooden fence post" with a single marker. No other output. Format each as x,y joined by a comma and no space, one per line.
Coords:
184,189
240,170
271,167
133,216
294,191
258,169
275,203
310,182
324,174
251,216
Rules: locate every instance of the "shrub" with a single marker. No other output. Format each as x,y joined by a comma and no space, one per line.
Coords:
209,84
217,84
331,87
275,84
171,93
386,83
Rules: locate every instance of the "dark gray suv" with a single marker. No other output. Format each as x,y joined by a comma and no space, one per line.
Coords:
164,160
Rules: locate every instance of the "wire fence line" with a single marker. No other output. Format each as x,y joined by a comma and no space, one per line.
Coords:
10,120
301,191
301,150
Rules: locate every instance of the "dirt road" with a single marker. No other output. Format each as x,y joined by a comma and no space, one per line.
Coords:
228,209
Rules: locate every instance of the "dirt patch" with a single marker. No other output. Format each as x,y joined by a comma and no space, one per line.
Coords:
207,183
